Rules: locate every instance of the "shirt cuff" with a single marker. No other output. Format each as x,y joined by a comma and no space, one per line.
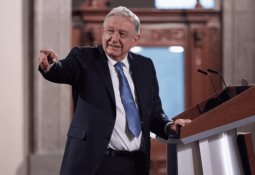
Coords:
168,127
48,68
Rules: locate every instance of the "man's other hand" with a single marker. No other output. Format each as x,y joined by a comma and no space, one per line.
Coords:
177,124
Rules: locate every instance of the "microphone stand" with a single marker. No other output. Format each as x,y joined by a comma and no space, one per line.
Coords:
213,85
221,76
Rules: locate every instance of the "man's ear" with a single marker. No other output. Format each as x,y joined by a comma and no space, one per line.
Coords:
137,38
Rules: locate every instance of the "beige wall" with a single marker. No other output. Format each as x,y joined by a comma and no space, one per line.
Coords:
12,126
52,102
239,41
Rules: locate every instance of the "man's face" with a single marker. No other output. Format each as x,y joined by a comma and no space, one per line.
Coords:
119,37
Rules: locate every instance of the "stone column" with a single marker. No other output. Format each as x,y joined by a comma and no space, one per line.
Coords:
239,44
13,125
52,102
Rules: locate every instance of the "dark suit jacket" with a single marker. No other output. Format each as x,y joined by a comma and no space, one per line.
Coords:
86,69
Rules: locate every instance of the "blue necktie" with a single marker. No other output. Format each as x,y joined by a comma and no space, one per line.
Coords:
128,102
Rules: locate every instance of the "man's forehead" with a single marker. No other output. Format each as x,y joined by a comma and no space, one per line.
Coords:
116,27
113,19
112,22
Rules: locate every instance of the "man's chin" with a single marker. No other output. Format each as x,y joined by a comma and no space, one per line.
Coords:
113,55
112,51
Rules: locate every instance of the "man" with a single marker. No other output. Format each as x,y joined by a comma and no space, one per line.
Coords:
116,99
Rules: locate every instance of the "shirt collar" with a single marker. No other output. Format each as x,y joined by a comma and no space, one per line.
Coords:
124,61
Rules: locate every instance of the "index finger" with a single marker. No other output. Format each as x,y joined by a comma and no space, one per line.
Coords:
49,52
45,51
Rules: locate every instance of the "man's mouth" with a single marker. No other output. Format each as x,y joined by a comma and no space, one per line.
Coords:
114,46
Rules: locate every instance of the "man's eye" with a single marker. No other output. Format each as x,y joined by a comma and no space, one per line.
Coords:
122,34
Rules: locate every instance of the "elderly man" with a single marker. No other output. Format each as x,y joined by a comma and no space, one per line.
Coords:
116,99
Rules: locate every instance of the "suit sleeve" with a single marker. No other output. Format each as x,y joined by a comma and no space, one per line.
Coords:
159,119
65,71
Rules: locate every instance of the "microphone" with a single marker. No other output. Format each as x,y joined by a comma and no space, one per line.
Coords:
214,88
221,76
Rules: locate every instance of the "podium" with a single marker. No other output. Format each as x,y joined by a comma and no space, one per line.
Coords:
208,146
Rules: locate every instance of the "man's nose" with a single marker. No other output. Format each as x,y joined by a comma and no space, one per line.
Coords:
115,36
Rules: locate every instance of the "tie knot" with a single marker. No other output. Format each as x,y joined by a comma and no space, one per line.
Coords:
119,65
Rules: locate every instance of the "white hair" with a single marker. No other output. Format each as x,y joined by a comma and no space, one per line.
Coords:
123,11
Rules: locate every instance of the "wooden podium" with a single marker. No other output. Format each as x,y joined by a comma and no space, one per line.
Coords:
208,146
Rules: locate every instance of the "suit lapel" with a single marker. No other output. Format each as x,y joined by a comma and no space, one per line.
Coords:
103,69
138,75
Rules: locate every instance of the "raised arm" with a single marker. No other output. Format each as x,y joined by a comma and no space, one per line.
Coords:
59,71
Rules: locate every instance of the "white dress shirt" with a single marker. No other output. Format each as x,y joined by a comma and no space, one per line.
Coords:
122,138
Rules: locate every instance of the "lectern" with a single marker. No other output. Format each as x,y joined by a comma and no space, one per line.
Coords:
208,146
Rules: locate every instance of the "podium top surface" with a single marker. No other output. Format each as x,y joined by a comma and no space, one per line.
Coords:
211,116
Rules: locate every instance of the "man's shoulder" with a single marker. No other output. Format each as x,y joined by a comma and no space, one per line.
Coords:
84,49
86,53
140,58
